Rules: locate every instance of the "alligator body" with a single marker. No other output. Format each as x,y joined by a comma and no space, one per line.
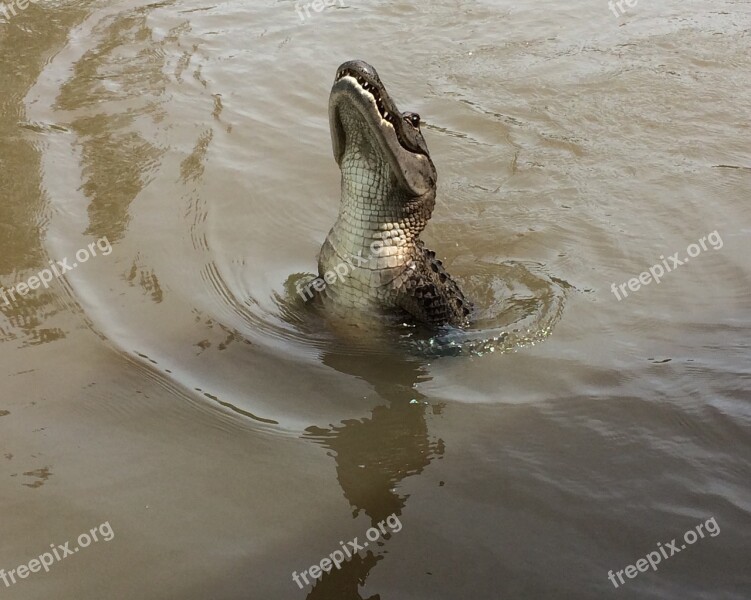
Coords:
373,257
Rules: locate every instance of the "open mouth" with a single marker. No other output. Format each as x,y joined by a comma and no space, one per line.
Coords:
371,89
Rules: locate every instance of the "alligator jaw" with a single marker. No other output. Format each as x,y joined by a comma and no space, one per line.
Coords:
359,94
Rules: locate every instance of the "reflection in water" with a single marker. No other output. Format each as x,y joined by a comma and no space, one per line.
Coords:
344,583
24,44
117,159
374,454
147,280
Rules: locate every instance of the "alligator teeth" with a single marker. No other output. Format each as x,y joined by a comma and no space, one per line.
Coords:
372,90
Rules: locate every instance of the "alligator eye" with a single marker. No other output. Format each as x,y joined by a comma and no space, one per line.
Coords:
413,118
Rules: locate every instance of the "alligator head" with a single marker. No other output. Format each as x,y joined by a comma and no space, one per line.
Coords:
388,194
365,121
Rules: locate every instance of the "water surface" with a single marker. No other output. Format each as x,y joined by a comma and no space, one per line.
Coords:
177,390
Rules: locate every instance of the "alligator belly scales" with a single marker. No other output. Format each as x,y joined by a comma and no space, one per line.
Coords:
388,195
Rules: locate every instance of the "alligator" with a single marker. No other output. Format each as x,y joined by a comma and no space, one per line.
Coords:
388,191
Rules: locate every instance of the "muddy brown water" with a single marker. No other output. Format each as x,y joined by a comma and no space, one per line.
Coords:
172,387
